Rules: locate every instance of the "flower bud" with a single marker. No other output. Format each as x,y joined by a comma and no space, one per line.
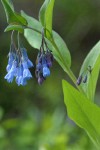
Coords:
79,80
85,79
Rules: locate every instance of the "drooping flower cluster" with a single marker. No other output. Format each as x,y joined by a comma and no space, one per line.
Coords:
43,64
18,65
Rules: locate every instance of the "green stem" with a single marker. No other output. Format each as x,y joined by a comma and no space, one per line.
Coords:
18,40
12,40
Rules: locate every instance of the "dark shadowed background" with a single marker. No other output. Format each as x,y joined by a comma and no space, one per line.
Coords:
34,117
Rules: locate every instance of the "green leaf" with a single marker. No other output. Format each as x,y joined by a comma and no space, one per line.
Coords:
84,113
93,60
45,16
62,49
57,45
34,38
42,12
15,27
12,17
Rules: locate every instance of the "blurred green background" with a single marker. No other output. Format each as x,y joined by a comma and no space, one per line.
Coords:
34,117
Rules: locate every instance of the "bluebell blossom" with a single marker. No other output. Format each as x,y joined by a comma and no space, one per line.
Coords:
20,80
46,71
25,58
12,72
26,73
11,57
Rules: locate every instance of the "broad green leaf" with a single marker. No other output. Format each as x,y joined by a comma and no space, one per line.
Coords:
57,45
93,60
12,17
15,27
84,113
45,16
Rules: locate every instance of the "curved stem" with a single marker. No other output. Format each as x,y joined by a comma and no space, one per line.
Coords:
12,36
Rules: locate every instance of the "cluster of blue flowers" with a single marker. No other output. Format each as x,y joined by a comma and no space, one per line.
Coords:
43,64
19,64
44,61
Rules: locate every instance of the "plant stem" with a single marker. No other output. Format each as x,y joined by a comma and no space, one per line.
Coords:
18,40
